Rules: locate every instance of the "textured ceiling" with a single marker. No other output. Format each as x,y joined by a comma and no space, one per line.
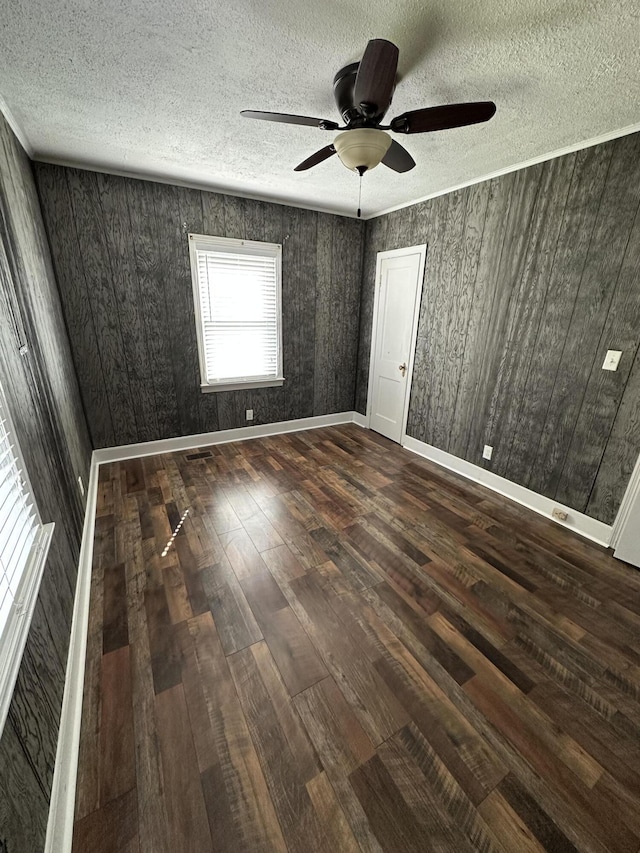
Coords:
155,88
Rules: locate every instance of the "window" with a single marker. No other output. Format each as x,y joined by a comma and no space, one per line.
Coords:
237,296
24,543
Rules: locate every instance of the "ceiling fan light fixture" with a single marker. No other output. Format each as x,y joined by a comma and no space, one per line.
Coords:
362,148
363,92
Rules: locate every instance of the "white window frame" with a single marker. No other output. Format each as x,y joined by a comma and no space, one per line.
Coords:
13,637
252,247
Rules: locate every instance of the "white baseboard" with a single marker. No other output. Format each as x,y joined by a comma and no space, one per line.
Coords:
63,791
360,420
204,439
590,528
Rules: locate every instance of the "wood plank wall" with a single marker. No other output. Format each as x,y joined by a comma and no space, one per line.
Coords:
530,279
44,402
121,258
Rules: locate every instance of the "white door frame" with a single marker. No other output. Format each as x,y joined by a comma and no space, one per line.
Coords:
631,495
397,253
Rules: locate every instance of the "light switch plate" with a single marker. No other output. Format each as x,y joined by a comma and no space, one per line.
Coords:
612,359
487,452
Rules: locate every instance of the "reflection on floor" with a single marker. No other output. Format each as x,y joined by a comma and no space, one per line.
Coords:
344,648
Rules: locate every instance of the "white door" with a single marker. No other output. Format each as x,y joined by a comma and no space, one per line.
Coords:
399,277
626,528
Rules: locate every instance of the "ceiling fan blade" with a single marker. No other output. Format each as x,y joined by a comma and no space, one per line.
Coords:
285,118
318,157
376,76
398,158
442,118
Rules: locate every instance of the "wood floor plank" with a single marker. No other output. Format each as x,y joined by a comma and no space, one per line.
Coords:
443,829
318,641
115,633
507,825
459,745
395,537
612,750
486,649
239,808
297,659
395,823
190,559
198,659
240,501
355,570
446,788
342,745
262,533
293,651
593,811
334,728
234,619
152,809
283,563
110,829
537,821
306,760
583,765
427,638
177,595
242,553
188,824
331,814
378,709
162,636
117,747
284,772
296,536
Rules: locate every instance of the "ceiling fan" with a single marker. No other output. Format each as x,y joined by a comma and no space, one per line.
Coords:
363,92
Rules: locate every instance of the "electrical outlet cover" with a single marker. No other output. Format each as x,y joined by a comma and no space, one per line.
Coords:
487,452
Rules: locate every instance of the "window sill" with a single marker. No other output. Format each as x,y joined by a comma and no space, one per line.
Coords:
241,386
14,639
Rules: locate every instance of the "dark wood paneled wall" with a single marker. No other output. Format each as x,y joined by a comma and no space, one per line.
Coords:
530,279
121,257
44,402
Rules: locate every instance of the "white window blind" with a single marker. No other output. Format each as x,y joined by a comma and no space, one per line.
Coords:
237,300
23,546
18,523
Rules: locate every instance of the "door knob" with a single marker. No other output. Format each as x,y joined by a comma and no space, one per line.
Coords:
403,368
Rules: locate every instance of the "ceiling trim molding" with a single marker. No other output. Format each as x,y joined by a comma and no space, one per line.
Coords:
192,185
542,158
203,186
15,127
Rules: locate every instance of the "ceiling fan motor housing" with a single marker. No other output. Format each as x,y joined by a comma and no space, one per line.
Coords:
343,86
354,115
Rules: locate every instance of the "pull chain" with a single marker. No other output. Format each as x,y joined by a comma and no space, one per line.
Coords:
360,197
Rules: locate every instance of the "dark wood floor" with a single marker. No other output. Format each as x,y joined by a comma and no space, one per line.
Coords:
347,648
